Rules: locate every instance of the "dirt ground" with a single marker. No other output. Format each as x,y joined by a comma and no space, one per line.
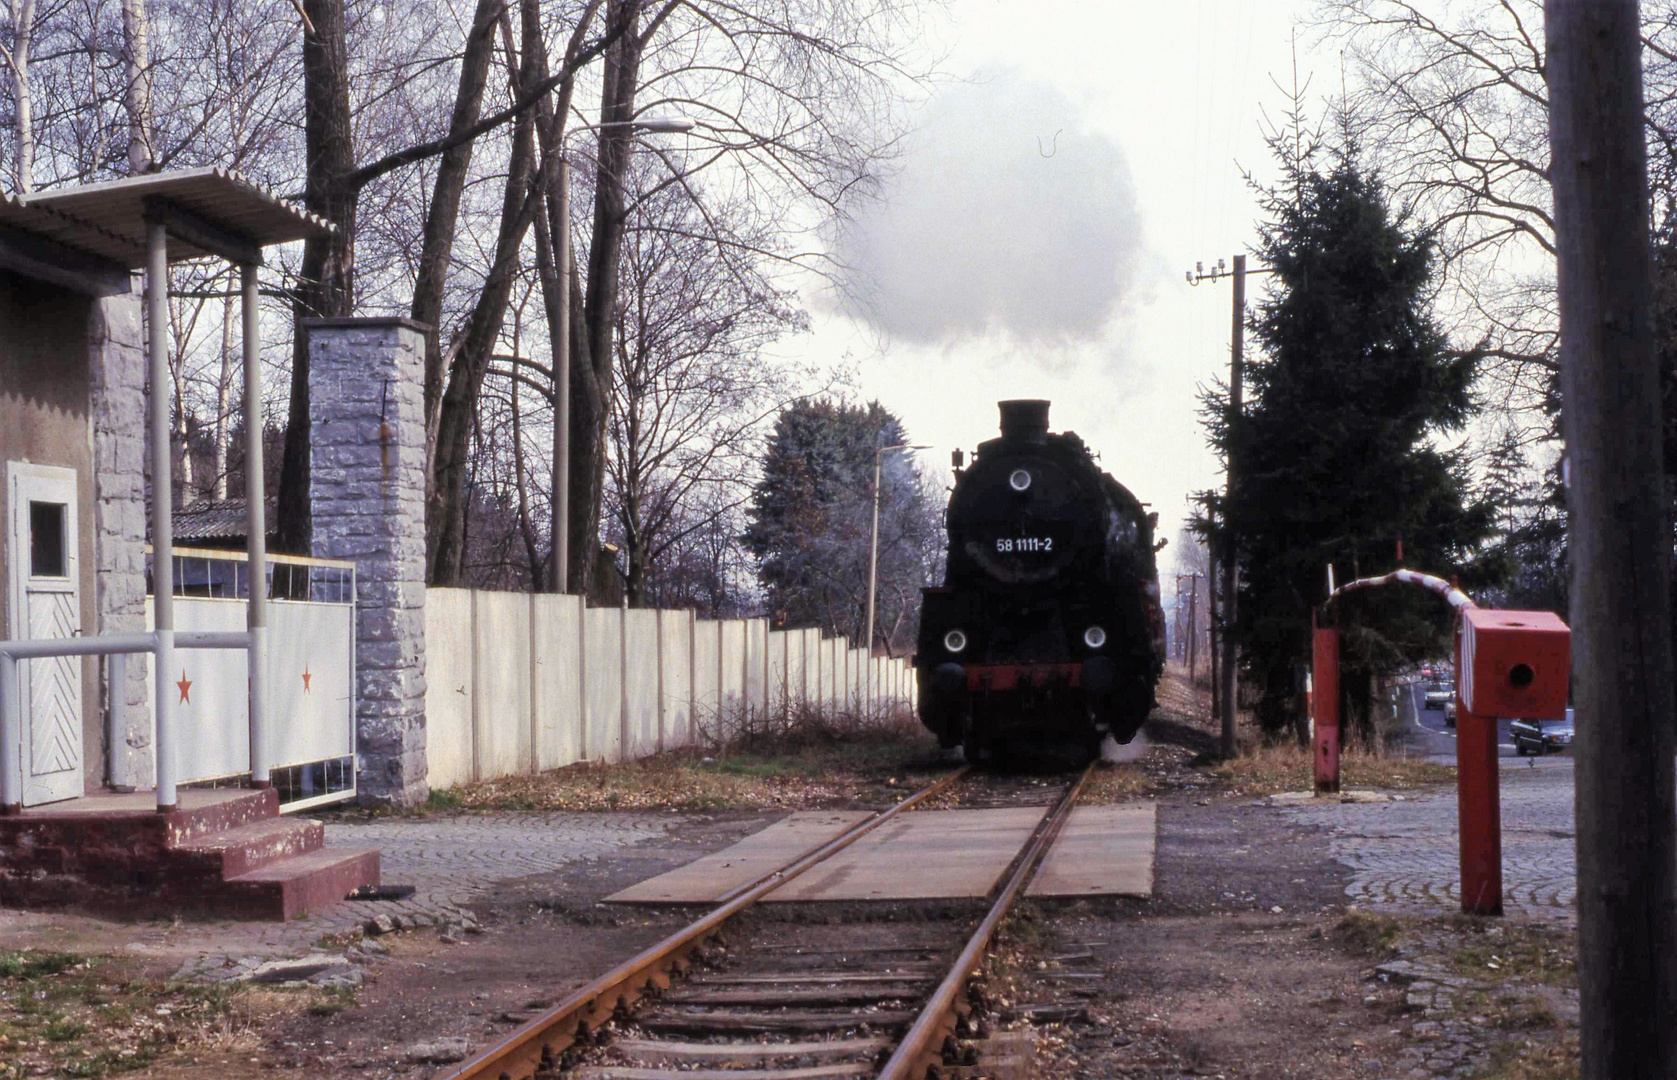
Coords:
1245,963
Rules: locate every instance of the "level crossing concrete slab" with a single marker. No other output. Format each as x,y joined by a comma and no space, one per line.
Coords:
920,855
1102,851
703,880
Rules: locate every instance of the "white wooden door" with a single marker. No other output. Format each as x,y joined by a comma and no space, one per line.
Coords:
45,602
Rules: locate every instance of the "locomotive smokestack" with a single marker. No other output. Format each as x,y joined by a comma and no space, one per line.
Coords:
1025,419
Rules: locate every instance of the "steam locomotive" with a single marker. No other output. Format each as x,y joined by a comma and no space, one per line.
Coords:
1047,635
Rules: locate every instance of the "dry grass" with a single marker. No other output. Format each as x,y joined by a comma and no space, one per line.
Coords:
1505,950
812,760
817,765
1269,770
1363,934
62,1014
1543,1059
1121,783
1512,956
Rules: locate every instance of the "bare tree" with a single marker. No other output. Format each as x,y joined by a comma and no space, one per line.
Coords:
1454,111
1454,106
224,393
694,390
796,102
136,55
16,57
434,173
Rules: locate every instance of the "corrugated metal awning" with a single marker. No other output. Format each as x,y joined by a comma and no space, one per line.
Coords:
108,220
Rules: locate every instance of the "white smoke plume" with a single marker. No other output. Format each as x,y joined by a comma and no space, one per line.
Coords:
1008,216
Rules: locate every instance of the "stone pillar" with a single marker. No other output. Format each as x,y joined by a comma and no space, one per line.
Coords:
367,501
117,373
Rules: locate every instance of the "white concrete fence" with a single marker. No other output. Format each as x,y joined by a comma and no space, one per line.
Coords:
520,683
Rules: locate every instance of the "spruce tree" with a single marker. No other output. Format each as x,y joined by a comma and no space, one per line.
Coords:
1334,453
811,517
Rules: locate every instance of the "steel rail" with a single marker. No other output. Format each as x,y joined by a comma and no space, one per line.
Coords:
537,1045
922,1047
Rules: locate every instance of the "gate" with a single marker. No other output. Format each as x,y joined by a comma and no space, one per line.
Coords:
310,674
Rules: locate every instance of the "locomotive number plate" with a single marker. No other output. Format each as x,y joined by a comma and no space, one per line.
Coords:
1013,544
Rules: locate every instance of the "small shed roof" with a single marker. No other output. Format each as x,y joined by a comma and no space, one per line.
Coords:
108,220
212,521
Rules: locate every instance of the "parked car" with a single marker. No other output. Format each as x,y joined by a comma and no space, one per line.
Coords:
1541,736
1438,695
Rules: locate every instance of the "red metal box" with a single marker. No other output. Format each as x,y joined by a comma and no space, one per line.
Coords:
1514,663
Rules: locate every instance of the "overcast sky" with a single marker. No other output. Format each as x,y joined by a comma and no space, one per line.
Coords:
1084,154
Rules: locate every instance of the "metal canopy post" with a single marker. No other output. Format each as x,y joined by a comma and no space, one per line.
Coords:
162,502
11,738
256,612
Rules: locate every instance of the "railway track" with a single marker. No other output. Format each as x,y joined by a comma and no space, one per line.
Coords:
795,1003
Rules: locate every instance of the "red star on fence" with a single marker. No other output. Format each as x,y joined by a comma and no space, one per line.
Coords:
185,687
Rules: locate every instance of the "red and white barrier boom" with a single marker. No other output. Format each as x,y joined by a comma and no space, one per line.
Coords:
1509,664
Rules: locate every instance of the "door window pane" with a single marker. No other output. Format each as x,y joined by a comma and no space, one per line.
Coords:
47,523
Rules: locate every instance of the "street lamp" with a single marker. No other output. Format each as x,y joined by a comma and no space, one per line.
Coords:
661,125
873,551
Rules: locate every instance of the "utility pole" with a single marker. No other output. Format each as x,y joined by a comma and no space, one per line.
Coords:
1212,629
1193,625
1178,640
1237,362
1237,365
1619,543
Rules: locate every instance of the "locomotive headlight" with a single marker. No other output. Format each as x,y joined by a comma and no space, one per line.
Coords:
955,641
1020,480
1094,637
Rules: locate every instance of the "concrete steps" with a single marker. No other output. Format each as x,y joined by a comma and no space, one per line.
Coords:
225,853
243,848
299,884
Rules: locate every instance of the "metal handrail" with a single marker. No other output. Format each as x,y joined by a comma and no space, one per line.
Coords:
230,555
115,646
97,645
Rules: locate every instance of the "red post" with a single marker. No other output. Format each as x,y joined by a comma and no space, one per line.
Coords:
1478,805
1324,705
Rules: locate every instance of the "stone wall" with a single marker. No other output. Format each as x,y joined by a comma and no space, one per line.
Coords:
367,504
117,371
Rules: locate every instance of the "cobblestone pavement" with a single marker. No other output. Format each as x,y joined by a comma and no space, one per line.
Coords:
450,861
1404,853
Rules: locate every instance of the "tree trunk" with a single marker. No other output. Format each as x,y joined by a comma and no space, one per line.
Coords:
447,528
1619,544
326,281
634,584
223,393
591,377
526,528
553,217
136,97
442,216
23,162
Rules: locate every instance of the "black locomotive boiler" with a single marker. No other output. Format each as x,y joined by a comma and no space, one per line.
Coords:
1047,635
